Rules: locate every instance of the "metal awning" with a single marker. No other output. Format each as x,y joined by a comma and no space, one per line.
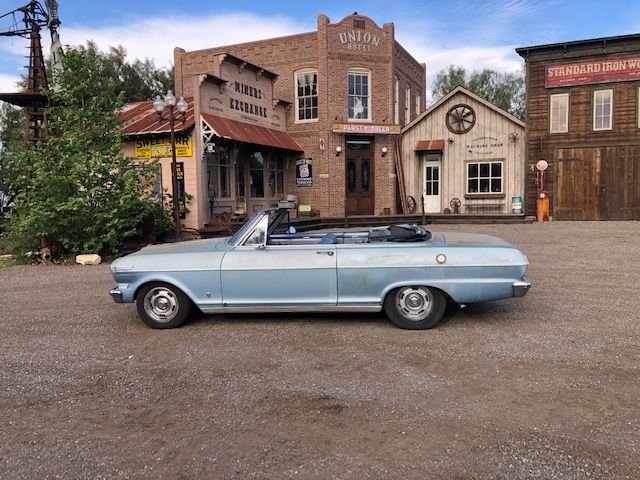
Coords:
139,118
248,133
429,146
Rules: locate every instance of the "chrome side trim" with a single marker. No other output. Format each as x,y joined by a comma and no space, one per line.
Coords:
116,295
521,288
299,309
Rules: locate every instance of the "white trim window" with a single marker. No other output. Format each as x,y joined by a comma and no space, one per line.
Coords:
407,105
418,102
602,110
396,100
559,113
307,96
359,99
485,177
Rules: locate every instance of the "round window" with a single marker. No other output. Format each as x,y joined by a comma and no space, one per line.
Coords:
460,118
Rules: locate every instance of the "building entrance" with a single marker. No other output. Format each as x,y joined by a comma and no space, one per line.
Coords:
359,177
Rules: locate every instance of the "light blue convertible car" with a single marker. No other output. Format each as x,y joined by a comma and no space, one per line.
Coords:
404,270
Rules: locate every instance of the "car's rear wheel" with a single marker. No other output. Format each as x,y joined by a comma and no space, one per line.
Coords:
161,305
415,307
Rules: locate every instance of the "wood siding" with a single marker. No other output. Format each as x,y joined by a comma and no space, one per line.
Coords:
582,160
490,124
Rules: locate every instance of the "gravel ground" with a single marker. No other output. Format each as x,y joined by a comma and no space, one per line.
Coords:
541,387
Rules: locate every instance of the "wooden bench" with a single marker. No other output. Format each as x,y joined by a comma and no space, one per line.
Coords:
482,207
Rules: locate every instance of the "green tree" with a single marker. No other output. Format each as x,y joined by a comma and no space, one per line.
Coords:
11,150
73,193
137,81
504,90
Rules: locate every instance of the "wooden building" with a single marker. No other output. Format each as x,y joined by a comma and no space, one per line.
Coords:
232,148
583,121
464,151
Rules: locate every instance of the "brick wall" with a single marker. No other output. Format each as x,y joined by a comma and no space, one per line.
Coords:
327,51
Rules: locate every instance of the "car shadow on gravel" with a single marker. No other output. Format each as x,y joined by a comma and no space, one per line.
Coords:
283,319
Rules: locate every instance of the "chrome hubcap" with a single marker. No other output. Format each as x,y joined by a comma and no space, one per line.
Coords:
161,304
415,303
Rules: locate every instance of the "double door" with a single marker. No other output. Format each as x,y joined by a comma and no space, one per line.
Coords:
359,177
598,183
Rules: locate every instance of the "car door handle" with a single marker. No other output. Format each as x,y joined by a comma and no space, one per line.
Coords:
330,252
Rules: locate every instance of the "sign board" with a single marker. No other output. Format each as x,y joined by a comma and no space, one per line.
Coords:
161,147
366,128
304,172
181,194
594,71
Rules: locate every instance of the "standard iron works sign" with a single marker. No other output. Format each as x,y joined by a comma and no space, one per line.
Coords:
161,147
596,71
366,128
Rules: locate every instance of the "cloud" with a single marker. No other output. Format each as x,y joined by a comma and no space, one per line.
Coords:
8,83
155,38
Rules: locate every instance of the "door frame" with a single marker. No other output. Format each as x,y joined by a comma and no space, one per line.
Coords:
371,195
429,162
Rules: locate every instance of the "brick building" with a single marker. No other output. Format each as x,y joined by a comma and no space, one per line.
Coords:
583,123
315,115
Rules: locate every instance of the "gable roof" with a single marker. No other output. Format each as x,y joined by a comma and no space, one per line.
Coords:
464,91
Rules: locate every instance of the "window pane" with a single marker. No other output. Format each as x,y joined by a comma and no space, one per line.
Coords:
484,170
473,170
351,176
496,169
428,188
496,185
429,171
358,91
435,173
435,188
472,185
307,95
484,185
365,175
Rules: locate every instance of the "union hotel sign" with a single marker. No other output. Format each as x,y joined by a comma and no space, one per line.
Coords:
596,71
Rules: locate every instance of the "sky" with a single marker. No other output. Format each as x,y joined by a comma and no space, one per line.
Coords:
470,33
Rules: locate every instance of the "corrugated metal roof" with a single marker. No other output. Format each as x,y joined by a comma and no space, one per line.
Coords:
429,145
140,118
248,133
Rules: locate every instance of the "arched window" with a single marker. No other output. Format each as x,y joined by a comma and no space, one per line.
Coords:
359,97
306,82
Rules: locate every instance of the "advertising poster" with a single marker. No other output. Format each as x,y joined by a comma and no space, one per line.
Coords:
181,195
304,172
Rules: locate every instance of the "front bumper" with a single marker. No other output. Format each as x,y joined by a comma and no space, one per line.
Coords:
116,295
521,288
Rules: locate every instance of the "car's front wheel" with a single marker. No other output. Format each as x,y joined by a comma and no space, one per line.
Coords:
415,307
161,305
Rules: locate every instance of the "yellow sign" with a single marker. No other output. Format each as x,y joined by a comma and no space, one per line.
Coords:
161,147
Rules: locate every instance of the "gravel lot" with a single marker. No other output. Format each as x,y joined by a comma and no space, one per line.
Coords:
535,388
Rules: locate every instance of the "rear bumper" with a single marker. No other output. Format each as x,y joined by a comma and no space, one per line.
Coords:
116,295
521,288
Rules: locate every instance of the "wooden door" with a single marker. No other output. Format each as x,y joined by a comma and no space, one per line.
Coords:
579,192
620,182
359,178
598,183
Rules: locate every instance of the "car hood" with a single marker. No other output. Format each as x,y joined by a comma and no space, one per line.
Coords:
192,246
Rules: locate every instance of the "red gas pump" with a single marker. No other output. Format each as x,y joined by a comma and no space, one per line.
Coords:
542,199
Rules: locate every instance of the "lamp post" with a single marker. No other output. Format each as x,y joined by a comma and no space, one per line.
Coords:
169,104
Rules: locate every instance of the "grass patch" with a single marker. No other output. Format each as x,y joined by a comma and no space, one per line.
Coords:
7,263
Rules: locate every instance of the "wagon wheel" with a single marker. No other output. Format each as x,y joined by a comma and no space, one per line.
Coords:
455,204
411,204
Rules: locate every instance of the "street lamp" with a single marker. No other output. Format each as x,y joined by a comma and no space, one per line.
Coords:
160,105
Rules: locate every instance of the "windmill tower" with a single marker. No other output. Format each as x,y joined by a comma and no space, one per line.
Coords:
33,99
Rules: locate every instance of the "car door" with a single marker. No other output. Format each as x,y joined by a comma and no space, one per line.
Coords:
256,274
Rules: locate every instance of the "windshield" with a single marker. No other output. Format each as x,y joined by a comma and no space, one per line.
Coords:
275,218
